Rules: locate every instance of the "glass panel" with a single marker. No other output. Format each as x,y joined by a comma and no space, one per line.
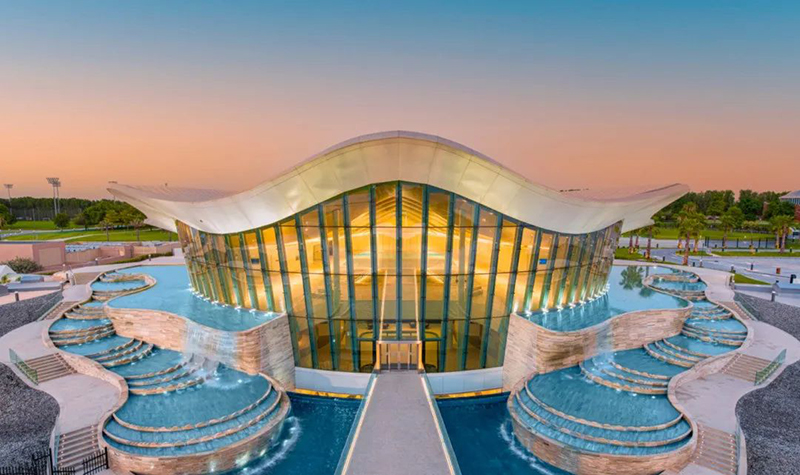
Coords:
358,204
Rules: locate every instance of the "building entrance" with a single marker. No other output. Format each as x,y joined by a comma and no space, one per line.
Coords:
400,355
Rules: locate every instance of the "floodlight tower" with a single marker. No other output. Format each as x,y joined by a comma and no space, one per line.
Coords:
56,185
8,187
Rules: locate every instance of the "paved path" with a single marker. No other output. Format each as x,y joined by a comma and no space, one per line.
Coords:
398,432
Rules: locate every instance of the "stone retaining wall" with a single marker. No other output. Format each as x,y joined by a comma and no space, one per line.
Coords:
266,348
532,348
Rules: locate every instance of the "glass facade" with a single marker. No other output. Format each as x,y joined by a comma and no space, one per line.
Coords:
399,261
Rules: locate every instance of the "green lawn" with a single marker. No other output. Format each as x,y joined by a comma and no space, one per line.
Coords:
38,225
98,235
743,279
758,254
672,233
624,253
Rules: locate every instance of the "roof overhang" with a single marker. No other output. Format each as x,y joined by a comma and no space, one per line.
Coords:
394,156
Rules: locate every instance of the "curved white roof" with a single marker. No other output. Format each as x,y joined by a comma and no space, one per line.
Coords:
393,156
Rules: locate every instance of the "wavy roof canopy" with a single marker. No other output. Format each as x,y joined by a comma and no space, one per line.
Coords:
393,156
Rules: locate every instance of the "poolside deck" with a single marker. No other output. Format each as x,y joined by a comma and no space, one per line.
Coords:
398,432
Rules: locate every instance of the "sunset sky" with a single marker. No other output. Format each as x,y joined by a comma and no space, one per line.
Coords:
572,94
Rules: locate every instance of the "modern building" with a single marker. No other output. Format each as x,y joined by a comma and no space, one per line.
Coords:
397,237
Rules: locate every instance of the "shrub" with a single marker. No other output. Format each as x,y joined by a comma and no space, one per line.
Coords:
23,265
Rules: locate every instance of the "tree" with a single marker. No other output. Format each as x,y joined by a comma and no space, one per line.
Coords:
781,225
690,223
5,216
133,217
23,265
61,220
81,220
730,220
105,224
652,229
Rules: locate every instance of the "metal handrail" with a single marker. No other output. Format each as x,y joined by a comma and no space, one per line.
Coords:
31,373
351,436
767,371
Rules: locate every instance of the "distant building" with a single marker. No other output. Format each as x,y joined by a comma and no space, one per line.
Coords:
794,198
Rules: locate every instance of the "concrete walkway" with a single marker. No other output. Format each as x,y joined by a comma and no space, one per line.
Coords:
398,433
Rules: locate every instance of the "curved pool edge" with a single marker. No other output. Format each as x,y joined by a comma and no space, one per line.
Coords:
584,462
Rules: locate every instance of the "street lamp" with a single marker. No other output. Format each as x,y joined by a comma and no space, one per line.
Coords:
56,185
8,187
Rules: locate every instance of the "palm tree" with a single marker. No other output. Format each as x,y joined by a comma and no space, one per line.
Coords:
781,225
652,229
690,223
730,220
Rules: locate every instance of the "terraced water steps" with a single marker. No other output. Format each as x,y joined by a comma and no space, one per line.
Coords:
655,352
119,352
598,435
601,374
729,326
158,360
79,326
98,348
187,379
672,350
77,340
718,339
194,436
50,367
140,353
639,362
74,446
217,412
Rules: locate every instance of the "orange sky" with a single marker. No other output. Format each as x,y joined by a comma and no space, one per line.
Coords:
585,99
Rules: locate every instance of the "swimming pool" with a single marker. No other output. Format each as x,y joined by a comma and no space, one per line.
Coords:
312,439
626,293
172,293
483,441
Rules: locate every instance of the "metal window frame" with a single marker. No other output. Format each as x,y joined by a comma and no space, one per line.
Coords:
487,328
473,247
351,286
301,250
323,239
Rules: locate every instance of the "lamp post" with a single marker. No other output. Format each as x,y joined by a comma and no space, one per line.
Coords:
56,185
8,187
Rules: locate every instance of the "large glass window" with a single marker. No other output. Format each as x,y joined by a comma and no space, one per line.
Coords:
398,261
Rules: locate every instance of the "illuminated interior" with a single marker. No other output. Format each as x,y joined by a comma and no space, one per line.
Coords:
399,261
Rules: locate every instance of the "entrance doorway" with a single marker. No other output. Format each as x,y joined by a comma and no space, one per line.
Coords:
400,355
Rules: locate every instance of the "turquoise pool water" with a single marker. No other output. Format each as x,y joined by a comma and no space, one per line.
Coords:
172,293
626,293
311,440
483,441
117,286
673,285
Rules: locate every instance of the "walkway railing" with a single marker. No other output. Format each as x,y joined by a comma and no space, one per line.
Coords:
31,373
765,373
348,445
452,462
